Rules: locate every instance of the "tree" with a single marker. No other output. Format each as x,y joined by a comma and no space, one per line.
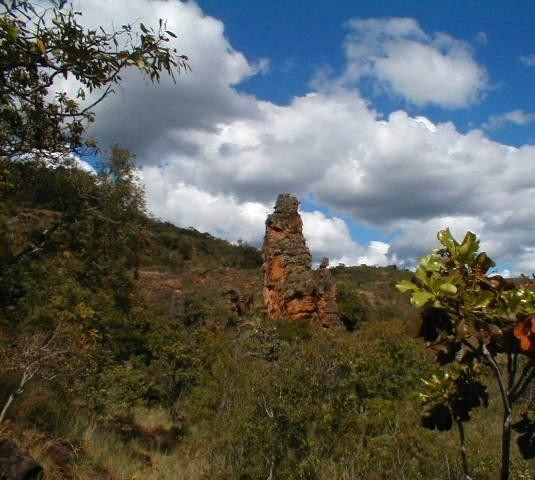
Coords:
41,44
39,356
475,322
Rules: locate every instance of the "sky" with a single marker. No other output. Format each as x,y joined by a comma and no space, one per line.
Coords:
389,120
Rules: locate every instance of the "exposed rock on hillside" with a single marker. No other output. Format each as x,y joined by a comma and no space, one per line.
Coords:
15,464
291,288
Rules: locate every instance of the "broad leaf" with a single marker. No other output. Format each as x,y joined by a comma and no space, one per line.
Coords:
420,298
448,289
405,286
446,238
469,246
432,263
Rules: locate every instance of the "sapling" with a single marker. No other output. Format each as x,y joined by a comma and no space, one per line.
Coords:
475,322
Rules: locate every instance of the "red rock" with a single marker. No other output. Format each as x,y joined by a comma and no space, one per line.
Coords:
291,288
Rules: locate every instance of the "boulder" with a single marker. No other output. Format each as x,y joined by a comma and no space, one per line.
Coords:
15,464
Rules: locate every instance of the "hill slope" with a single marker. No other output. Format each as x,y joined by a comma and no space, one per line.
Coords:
159,375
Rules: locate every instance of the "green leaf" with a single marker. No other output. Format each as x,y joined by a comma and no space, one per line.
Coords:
448,289
446,238
482,300
13,32
432,262
405,286
171,34
420,298
421,275
469,246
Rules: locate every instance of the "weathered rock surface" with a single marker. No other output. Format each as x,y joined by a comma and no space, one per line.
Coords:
16,464
291,288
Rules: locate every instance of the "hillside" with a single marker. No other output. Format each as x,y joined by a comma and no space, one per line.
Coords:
161,374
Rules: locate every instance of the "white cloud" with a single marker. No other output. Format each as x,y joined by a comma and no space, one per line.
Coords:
189,206
419,236
481,38
226,217
423,69
528,60
526,262
377,253
151,119
262,66
83,165
216,159
516,117
329,237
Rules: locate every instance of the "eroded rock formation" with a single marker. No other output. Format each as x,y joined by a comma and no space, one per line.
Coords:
291,288
15,464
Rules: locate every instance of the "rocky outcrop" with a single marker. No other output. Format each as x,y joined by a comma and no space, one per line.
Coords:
291,288
15,464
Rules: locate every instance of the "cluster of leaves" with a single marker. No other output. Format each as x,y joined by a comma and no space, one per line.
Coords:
73,245
173,247
526,429
471,318
41,44
255,398
452,398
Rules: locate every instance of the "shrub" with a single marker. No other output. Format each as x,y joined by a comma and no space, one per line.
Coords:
477,323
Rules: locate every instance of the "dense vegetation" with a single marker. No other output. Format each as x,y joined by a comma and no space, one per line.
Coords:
125,352
160,377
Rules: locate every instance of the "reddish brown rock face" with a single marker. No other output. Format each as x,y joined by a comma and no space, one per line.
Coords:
291,288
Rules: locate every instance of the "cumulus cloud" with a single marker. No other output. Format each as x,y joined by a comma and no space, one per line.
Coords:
516,117
328,237
226,217
154,119
419,237
404,59
216,159
188,206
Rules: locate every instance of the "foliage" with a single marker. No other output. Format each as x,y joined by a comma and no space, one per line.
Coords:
171,246
287,398
351,306
375,289
474,319
66,280
43,44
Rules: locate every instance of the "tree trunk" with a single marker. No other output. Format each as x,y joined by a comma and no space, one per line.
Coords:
506,446
464,455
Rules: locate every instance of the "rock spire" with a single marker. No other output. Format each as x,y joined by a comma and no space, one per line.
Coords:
291,288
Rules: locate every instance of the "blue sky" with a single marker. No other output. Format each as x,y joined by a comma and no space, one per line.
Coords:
301,36
390,120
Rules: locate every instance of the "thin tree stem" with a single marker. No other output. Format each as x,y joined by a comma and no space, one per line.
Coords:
6,407
25,377
507,414
464,455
